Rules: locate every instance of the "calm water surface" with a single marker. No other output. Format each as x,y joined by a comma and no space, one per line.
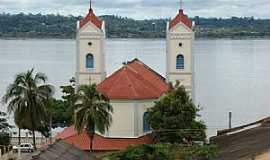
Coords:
230,75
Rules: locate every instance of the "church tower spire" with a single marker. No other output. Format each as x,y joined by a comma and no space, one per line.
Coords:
181,5
179,50
90,49
90,5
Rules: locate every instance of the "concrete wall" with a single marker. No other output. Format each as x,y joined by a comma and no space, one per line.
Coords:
128,118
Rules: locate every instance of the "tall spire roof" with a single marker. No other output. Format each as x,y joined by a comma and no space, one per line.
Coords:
181,17
91,17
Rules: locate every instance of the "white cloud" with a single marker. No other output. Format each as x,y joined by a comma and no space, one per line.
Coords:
141,9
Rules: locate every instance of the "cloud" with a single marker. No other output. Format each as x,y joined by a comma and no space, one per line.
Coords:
142,9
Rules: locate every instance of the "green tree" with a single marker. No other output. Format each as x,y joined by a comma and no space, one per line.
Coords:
61,111
93,112
61,114
4,130
173,118
69,99
26,98
4,125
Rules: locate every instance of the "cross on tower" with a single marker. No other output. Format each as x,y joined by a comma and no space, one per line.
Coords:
181,4
90,4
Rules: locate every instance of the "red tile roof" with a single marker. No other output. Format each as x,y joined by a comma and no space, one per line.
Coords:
91,17
67,132
134,81
100,143
181,17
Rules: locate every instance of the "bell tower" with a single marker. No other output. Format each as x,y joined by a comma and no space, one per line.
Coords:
90,40
180,37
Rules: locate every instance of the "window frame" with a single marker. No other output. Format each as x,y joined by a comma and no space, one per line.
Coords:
146,125
180,62
89,61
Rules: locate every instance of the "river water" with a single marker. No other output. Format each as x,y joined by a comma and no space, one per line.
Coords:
230,75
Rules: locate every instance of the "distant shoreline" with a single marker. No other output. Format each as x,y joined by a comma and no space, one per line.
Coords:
136,38
30,26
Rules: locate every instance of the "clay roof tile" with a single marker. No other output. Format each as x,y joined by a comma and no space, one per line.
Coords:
100,143
134,81
180,17
91,17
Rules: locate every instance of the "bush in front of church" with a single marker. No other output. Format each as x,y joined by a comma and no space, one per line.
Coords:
142,152
174,118
165,152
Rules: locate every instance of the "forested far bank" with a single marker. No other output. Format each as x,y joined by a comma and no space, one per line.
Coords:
58,26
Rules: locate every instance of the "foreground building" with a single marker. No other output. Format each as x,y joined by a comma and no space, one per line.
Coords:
247,142
63,151
101,143
134,87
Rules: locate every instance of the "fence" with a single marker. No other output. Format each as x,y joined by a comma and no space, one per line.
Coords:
5,150
40,141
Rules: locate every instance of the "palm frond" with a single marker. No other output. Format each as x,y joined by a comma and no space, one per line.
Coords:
93,110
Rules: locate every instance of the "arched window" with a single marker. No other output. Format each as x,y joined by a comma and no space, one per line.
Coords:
146,126
180,62
89,61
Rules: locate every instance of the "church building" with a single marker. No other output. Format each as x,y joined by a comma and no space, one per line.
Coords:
134,87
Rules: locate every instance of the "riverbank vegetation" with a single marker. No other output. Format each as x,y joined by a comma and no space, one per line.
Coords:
58,26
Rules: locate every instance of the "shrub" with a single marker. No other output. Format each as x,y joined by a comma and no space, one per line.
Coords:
4,139
145,152
197,152
165,152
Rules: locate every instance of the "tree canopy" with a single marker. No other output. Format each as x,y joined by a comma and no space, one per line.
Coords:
26,97
4,125
174,118
93,112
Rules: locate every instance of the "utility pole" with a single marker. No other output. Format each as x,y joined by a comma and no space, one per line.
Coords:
230,120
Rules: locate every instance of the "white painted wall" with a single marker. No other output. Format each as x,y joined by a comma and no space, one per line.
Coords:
128,118
179,34
90,33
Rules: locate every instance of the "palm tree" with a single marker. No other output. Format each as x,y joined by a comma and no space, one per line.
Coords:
26,98
93,112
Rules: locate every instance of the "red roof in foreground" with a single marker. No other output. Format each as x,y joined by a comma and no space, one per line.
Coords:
181,17
67,132
134,81
91,17
101,143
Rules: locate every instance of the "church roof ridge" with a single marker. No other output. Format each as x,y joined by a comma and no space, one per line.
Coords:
134,81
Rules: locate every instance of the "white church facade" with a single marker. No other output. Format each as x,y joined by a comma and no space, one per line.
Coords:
129,112
134,87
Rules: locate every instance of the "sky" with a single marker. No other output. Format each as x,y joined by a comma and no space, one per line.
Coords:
142,9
